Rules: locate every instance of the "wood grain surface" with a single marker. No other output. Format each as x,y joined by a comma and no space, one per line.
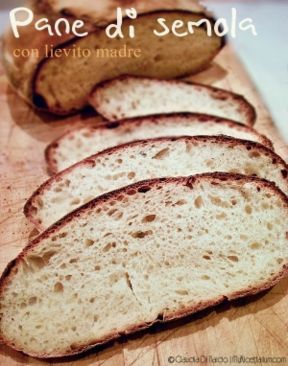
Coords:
251,327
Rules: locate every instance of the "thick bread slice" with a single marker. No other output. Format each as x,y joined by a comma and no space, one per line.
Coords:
126,164
78,144
128,97
155,251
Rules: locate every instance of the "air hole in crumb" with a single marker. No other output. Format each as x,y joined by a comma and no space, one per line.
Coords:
131,175
109,246
248,209
97,268
63,235
255,245
205,277
243,237
149,218
58,287
221,216
207,257
233,258
181,203
209,163
89,242
75,201
68,277
198,202
117,215
182,292
162,154
32,300
73,260
141,234
254,154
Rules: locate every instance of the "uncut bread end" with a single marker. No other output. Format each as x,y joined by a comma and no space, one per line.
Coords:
61,88
81,143
176,246
130,96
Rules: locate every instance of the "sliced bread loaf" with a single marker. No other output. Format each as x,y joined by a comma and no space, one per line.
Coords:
78,144
62,82
133,162
128,97
155,251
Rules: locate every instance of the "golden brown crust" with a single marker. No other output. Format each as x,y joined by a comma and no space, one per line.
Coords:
142,187
51,149
29,208
216,93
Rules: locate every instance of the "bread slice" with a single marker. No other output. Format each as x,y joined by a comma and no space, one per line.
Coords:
155,251
83,142
128,97
122,165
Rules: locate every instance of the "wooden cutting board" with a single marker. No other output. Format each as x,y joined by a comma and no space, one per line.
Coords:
258,327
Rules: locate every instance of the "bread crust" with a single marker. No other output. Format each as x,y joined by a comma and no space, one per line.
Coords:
51,149
218,93
213,178
90,161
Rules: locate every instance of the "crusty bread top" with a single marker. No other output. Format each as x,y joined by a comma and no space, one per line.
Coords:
169,228
103,12
82,142
135,96
22,71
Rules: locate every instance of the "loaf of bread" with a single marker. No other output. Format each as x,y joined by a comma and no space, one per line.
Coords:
82,142
163,157
128,97
155,251
62,83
